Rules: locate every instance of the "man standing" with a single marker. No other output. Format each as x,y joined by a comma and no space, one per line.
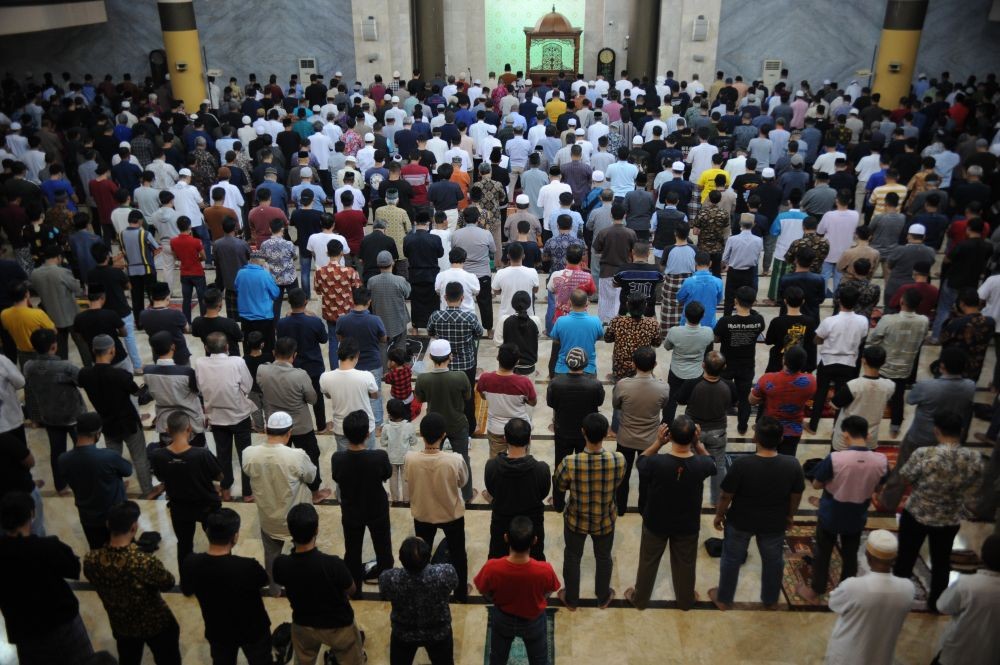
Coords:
760,495
129,583
614,244
673,485
95,476
360,474
737,335
592,478
784,395
711,227
837,226
231,254
256,291
517,484
437,480
972,603
111,390
58,290
280,476
872,607
228,590
900,335
462,330
508,395
904,258
702,287
478,243
369,332
848,477
422,249
519,587
572,397
740,259
225,384
349,389
576,329
335,284
309,334
318,586
389,293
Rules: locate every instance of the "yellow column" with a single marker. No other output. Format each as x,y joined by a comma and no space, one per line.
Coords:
897,49
180,40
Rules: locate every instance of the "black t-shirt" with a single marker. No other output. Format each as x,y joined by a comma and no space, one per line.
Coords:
967,260
306,221
204,326
254,363
373,245
444,195
34,595
738,337
316,584
571,397
789,330
761,487
403,189
105,321
110,390
532,254
228,591
115,281
154,320
523,333
745,185
813,288
640,278
189,478
359,474
672,488
13,475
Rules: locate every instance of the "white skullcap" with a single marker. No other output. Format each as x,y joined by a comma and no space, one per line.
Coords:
597,176
522,200
882,544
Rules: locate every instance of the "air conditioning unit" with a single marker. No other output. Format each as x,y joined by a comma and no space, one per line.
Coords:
307,66
369,29
771,73
699,29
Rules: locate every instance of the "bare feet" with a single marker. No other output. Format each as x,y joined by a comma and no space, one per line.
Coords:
66,492
629,596
808,430
814,501
248,498
607,601
561,595
155,492
713,596
487,497
321,495
378,432
39,484
227,495
805,592
982,438
328,429
774,607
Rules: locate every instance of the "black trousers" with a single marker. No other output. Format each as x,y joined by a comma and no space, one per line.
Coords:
140,285
57,446
735,278
319,408
825,542
470,404
308,443
789,445
911,538
9,346
354,538
499,524
184,523
165,647
224,436
716,266
826,376
97,536
621,493
265,327
402,652
670,410
741,374
485,301
257,653
454,534
232,309
284,289
896,402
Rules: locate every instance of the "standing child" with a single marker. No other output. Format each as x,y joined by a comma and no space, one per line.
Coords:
255,357
398,438
400,380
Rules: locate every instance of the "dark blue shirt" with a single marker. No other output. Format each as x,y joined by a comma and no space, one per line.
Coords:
309,332
368,330
95,475
279,196
812,285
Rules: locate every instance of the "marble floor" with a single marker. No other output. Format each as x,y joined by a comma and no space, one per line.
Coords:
659,634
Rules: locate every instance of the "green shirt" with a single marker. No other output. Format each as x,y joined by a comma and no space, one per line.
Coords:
445,392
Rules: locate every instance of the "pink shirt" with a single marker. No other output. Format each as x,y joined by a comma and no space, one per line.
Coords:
838,226
856,474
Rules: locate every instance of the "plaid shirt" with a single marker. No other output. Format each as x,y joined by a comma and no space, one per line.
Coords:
400,380
462,330
591,479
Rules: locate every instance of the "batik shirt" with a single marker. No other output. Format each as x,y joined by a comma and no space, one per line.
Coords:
629,334
712,224
129,582
972,333
280,256
941,477
335,283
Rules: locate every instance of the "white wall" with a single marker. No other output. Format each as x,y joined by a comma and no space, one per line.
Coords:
394,46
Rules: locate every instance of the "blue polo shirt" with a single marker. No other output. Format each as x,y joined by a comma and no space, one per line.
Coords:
255,293
279,195
308,332
577,329
368,330
704,287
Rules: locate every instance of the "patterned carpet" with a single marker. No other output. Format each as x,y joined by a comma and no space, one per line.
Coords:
518,654
799,544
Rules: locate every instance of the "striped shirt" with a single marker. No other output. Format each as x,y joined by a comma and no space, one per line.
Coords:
592,479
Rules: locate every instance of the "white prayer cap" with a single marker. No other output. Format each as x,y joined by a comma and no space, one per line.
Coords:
882,544
917,230
395,74
395,99
369,137
279,420
677,166
387,97
316,108
124,144
339,75
491,129
637,140
827,81
522,200
439,348
126,105
246,120
571,122
767,173
306,172
193,116
184,172
579,131
598,176
15,126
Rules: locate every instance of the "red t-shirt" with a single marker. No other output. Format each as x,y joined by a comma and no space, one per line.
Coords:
351,225
188,250
103,192
957,233
419,178
518,589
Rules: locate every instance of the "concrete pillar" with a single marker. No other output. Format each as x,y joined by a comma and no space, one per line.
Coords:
428,36
644,38
180,41
897,49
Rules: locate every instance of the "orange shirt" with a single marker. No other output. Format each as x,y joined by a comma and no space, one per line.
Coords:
464,181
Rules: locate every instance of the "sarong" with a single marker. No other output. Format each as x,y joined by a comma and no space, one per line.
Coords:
670,309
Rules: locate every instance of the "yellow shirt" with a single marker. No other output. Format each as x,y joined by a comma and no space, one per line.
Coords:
555,108
20,322
877,199
707,181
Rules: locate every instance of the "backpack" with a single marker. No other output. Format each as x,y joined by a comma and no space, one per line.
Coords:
281,643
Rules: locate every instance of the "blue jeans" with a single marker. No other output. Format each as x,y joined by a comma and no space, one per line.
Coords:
305,266
333,343
550,312
202,233
715,443
946,300
342,442
830,272
507,626
377,402
734,550
38,521
130,345
189,284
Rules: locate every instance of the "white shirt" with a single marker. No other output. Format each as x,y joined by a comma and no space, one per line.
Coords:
445,235
486,145
791,230
872,609
536,134
867,167
397,113
359,198
827,162
280,476
333,132
842,334
17,144
990,292
246,133
477,132
735,167
317,243
469,282
224,382
349,390
621,85
233,200
509,281
451,153
971,637
435,144
518,148
700,159
838,226
319,148
366,158
11,380
548,197
596,131
647,129
187,200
